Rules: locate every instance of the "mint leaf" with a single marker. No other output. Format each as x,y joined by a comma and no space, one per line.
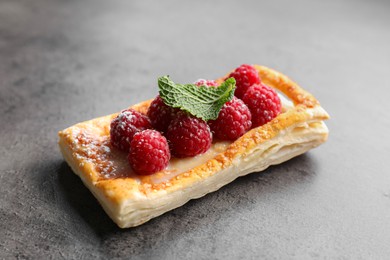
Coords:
202,102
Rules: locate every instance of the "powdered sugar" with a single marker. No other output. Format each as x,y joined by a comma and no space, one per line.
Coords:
125,125
97,150
205,82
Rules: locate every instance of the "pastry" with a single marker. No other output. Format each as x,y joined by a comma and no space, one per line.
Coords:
131,199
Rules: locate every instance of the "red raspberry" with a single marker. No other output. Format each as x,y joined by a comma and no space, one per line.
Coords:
125,125
233,120
205,82
149,152
245,76
188,136
263,102
160,115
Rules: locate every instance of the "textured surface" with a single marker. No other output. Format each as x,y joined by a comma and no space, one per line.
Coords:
62,62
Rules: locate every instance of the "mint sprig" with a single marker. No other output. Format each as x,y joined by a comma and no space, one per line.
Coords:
203,102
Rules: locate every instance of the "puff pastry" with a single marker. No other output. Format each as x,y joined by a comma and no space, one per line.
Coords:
131,200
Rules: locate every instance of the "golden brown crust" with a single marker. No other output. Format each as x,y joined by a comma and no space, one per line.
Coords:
116,191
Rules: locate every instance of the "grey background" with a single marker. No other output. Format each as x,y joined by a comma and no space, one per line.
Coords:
62,62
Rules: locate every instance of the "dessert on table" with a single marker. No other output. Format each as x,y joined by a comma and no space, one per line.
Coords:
191,140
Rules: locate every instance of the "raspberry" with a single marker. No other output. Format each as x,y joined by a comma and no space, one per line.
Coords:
149,152
125,125
263,102
205,82
188,136
233,120
245,76
160,115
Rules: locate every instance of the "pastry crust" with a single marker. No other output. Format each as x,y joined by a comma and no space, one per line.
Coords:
131,200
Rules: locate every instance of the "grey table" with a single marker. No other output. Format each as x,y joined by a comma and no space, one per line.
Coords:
62,62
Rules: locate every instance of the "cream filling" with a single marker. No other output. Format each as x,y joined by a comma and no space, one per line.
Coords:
179,165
